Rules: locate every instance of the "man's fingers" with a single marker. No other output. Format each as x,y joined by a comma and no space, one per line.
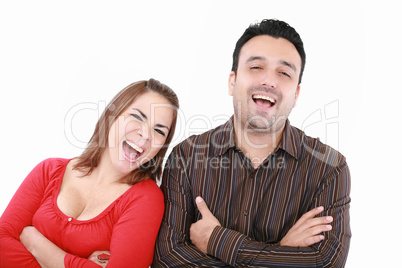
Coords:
202,207
309,215
319,229
314,239
311,224
308,229
319,221
312,213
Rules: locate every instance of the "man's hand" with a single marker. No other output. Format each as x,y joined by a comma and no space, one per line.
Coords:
307,229
201,231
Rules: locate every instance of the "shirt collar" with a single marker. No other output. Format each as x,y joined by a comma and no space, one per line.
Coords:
223,139
290,141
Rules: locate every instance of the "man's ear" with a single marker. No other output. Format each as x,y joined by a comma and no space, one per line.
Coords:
232,81
297,95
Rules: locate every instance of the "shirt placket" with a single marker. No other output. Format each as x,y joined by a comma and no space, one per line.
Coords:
248,193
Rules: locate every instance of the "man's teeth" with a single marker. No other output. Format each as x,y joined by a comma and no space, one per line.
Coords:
264,98
135,147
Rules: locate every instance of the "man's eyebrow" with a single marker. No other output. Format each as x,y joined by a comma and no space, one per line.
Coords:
142,114
281,62
253,58
288,64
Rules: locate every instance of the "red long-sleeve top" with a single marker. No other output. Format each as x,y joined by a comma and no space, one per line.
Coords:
127,228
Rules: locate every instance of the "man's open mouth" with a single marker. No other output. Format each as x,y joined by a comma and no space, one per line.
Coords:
263,100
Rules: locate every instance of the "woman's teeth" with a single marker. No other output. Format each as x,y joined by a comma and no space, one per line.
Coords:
135,147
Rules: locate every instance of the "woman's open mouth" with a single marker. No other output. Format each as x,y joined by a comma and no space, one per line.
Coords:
131,151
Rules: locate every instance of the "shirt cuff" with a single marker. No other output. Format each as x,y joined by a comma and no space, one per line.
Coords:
224,244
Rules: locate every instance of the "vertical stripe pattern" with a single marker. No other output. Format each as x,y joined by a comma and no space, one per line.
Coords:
256,207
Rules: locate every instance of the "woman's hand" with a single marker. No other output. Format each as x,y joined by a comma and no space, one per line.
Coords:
95,259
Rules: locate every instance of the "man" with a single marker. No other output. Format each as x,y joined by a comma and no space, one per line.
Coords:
256,191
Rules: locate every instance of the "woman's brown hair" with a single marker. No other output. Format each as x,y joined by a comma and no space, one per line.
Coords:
91,156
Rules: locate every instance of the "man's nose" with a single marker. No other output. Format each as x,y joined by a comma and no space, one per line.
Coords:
269,79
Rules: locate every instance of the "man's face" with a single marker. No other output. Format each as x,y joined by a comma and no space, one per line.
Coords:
265,88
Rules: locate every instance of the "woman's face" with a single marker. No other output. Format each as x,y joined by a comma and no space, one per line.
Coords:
137,135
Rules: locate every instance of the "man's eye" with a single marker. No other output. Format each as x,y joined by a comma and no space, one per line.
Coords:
255,67
285,73
160,132
136,116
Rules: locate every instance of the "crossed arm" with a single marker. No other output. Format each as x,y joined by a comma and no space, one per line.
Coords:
306,232
132,240
48,254
320,238
21,244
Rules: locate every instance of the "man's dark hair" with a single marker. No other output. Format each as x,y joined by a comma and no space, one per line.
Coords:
276,29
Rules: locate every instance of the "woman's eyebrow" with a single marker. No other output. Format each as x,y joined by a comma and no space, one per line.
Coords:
146,118
162,126
142,114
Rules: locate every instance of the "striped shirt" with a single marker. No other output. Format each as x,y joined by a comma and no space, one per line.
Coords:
255,206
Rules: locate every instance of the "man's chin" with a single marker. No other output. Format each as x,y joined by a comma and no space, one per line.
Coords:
259,127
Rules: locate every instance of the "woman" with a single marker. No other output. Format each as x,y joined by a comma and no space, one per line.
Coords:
103,204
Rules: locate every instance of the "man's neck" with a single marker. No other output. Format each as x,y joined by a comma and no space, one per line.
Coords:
257,146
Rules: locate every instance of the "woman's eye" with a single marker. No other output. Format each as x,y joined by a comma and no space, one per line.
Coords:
160,132
136,116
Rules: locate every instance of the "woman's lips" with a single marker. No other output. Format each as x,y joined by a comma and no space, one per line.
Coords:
131,151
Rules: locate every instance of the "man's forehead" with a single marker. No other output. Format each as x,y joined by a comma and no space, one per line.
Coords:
265,48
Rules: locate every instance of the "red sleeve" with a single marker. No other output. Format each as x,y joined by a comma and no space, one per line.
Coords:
134,233
19,214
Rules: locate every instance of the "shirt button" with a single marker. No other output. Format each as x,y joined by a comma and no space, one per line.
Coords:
70,219
245,213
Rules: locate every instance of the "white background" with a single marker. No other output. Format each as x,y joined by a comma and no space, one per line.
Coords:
61,62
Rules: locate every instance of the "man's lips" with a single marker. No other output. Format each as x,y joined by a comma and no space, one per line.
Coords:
263,101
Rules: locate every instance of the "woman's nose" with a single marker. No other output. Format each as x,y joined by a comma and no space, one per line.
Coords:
144,131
